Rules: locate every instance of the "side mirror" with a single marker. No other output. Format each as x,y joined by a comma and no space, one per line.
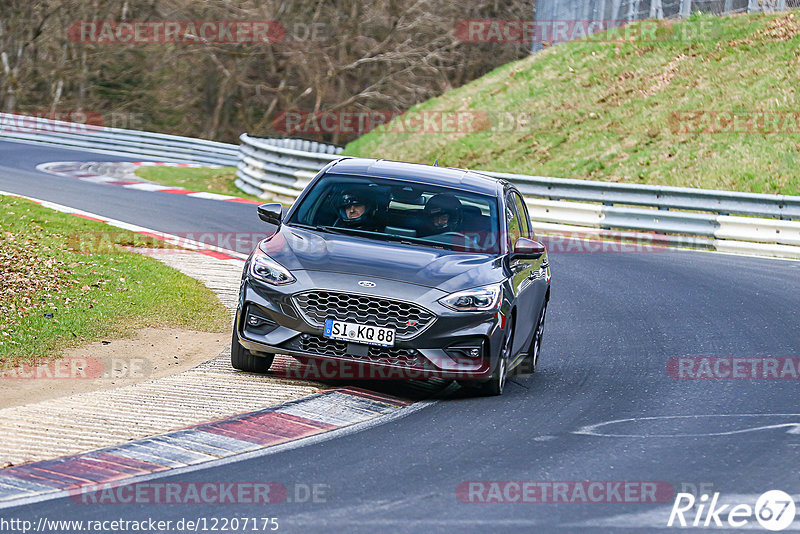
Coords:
528,249
271,213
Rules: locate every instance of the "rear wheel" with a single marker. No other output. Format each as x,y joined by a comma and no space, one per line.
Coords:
536,342
244,360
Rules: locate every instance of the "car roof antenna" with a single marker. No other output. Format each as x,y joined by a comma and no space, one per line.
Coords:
436,162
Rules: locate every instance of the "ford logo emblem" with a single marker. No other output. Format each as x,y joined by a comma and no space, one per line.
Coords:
366,283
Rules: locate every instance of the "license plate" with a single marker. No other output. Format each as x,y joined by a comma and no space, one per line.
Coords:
359,333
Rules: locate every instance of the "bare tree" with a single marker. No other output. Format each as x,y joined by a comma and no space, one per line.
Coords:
335,55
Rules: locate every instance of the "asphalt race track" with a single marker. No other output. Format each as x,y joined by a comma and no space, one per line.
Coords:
615,320
179,215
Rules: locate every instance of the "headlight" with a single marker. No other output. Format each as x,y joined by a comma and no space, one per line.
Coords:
265,269
486,298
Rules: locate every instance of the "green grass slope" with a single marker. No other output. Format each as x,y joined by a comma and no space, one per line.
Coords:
708,102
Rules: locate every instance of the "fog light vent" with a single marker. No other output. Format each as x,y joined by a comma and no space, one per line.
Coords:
257,322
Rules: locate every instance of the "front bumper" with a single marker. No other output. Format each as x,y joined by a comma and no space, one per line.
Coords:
268,321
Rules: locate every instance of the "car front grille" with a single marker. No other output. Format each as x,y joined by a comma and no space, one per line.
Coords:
410,358
407,319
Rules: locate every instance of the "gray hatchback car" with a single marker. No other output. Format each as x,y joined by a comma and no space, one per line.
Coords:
396,270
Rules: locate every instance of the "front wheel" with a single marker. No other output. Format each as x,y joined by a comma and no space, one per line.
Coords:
244,360
497,383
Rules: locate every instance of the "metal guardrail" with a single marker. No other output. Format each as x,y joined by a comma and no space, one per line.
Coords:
279,169
116,141
662,197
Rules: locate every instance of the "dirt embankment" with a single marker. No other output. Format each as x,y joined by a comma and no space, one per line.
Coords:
151,353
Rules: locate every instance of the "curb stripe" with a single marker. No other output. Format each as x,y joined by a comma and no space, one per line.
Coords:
214,254
244,201
21,479
56,478
316,414
25,484
74,169
78,469
227,445
242,432
88,217
144,467
178,191
92,462
145,456
400,403
190,445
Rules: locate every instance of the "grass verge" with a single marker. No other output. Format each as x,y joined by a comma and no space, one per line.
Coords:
204,179
708,102
66,281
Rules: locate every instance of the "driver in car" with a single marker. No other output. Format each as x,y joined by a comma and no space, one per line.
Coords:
356,209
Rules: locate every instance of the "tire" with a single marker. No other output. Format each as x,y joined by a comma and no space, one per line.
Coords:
536,343
244,360
496,384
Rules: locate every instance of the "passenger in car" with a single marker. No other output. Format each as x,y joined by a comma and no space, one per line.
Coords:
442,214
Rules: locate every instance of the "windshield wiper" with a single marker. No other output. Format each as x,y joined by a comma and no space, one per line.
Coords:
326,229
346,231
404,240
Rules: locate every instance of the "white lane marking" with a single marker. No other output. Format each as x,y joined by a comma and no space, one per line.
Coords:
596,429
73,169
180,241
168,164
147,187
210,196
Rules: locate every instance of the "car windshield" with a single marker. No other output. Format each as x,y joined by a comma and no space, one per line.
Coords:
396,210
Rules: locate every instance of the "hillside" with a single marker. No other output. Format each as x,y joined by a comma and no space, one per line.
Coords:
709,102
